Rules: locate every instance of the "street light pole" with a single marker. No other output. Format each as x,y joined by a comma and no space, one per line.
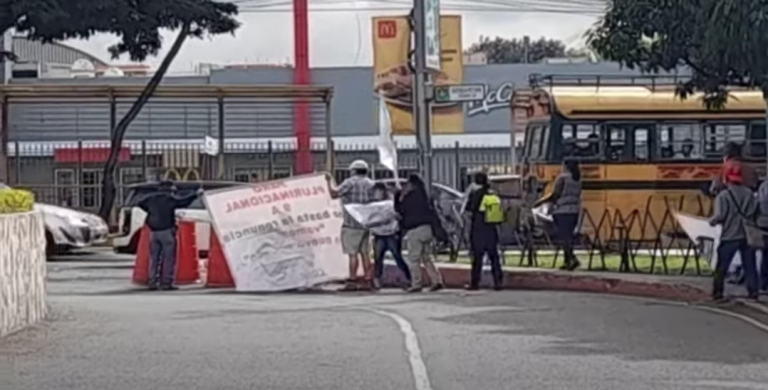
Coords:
422,107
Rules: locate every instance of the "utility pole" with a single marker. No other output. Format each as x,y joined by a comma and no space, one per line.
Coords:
425,22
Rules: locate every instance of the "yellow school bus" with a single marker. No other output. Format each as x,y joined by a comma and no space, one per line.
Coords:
643,150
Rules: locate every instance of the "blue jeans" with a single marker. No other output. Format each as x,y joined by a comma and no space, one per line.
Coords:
725,253
392,243
162,255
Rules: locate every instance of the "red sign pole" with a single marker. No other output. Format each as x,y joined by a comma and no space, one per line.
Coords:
301,76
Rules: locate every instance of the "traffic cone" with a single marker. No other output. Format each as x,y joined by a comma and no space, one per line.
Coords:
186,256
218,269
187,271
141,266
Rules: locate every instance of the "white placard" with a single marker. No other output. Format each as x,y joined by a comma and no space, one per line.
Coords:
279,235
211,146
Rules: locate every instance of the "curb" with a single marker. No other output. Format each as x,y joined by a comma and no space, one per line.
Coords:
759,307
456,276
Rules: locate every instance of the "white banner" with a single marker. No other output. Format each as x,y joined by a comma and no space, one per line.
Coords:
279,235
372,214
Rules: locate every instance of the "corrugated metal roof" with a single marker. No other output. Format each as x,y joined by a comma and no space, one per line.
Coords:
34,51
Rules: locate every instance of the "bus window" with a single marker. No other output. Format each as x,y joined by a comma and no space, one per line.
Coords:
678,141
581,141
717,135
617,142
641,144
534,150
756,140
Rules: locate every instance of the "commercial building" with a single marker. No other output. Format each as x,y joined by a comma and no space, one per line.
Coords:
64,143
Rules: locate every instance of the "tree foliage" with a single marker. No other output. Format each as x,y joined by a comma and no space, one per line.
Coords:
138,24
723,43
513,51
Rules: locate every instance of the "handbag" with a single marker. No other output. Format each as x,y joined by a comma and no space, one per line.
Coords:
753,233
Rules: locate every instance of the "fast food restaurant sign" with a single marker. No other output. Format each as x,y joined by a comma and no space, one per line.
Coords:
393,77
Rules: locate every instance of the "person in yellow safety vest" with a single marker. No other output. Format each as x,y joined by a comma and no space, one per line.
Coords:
487,214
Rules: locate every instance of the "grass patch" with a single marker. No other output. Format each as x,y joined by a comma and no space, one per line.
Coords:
675,264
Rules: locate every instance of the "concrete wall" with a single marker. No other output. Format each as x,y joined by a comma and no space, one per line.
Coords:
22,271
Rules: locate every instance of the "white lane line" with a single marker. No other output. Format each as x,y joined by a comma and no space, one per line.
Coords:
757,324
418,367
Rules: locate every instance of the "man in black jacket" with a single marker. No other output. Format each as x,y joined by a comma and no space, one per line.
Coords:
483,236
161,219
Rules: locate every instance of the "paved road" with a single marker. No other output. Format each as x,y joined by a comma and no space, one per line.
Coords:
103,335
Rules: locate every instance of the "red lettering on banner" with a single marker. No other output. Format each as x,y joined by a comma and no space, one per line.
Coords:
269,198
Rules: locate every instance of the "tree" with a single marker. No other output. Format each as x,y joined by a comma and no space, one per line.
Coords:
515,50
723,43
137,23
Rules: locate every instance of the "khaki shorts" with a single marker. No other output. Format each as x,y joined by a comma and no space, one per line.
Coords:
354,241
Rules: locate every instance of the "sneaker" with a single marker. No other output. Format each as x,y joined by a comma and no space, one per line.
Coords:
720,300
498,287
471,287
153,287
168,288
413,290
437,287
376,284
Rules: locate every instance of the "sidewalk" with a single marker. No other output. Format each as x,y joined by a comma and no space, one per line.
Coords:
671,287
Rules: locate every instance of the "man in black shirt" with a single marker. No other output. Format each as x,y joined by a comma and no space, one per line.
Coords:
161,219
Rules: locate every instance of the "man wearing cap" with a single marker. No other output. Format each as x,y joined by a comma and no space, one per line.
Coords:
355,239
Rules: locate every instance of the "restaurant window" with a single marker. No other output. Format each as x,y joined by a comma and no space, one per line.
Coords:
255,175
65,181
582,141
716,136
679,141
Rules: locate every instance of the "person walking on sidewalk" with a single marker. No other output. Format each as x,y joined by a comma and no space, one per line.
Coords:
566,199
486,215
161,219
417,216
734,206
355,238
762,223
387,238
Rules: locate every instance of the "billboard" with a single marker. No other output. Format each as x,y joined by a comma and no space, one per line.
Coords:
393,78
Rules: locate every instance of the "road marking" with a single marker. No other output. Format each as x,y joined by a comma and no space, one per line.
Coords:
757,324
418,367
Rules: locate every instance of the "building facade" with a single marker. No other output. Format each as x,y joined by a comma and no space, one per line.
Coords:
63,144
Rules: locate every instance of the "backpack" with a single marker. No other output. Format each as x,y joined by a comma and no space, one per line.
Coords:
490,206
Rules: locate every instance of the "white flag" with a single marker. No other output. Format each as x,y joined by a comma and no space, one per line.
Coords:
386,145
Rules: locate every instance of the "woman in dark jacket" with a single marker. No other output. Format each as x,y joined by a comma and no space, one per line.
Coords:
417,216
566,204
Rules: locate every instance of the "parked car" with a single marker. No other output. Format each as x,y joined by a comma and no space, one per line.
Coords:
448,203
131,217
67,229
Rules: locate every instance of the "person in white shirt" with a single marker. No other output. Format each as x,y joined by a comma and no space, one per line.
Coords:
387,238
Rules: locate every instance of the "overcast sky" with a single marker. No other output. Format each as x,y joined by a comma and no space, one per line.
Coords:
341,38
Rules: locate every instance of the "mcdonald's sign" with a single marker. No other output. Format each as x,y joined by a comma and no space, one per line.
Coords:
182,174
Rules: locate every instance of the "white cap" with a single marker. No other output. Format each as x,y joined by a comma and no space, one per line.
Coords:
358,164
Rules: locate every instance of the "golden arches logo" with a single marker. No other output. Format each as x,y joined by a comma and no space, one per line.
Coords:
187,174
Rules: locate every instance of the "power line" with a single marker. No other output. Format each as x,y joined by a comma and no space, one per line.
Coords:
580,7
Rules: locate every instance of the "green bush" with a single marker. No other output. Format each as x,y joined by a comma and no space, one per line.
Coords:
16,201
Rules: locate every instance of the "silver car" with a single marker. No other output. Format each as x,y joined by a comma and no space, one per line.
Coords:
67,229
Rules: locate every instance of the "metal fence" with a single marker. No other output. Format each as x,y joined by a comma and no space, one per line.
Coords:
70,174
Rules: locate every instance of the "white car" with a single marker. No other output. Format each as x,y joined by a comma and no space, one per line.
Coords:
67,229
131,218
